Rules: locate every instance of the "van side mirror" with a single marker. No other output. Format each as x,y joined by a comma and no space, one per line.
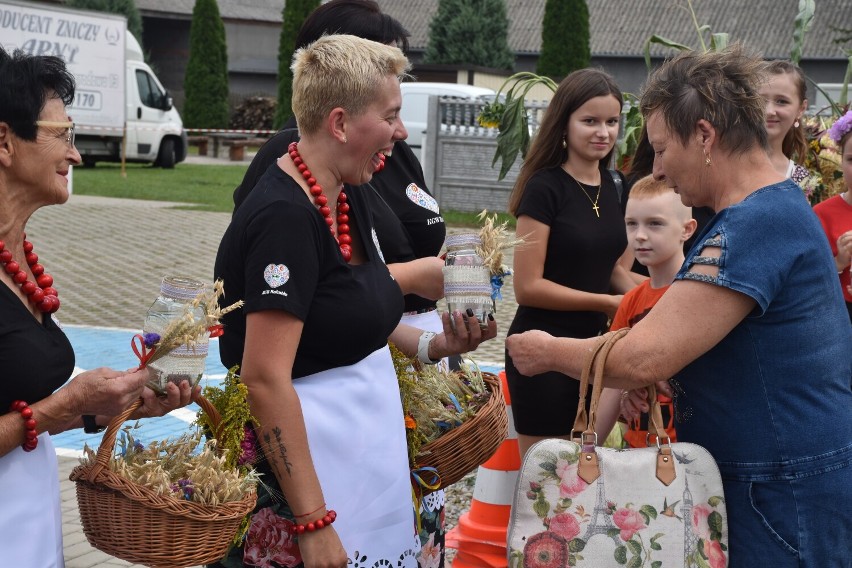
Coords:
166,103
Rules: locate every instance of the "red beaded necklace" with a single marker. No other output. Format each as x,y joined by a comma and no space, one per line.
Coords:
344,241
41,292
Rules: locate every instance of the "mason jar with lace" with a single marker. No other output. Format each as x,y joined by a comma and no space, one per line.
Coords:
467,281
186,362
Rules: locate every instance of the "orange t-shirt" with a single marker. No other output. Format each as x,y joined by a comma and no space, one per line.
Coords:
634,306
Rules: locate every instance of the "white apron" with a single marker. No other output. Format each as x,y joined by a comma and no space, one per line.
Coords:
356,434
30,514
429,321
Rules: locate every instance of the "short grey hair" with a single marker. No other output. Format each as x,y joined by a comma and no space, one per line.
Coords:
719,87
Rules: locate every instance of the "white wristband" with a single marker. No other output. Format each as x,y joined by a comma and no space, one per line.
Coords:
423,348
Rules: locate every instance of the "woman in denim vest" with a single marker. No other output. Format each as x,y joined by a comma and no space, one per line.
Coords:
753,332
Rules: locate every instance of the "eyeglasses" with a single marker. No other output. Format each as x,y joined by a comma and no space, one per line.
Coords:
69,127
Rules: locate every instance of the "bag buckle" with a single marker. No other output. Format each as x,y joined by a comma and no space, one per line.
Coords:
588,468
665,464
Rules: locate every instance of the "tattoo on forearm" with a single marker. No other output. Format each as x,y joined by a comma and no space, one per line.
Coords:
278,449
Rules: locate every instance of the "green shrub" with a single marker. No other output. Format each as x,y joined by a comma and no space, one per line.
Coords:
470,32
564,38
206,80
294,14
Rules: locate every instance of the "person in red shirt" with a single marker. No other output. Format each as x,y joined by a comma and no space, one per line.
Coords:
657,226
835,213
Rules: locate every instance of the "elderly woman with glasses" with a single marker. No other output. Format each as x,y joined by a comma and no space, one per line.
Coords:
36,153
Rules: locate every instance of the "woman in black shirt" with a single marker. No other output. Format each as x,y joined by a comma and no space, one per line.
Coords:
406,217
569,213
36,152
319,308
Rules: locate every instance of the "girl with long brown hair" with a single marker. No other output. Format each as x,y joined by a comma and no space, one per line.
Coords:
569,212
785,91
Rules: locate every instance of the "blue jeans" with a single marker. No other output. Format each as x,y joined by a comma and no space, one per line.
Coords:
798,516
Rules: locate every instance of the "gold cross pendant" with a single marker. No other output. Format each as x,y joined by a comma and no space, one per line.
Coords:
596,208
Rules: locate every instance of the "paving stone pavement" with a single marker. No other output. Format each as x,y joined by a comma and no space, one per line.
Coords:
108,257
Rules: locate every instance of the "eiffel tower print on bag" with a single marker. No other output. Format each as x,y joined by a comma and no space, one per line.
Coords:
577,504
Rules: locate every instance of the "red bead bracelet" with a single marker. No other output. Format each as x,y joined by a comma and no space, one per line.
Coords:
29,424
326,521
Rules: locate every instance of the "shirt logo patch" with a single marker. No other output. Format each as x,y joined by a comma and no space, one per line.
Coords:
421,198
276,275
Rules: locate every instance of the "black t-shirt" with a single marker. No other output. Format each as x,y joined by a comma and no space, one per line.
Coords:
35,358
405,215
407,218
278,254
273,149
581,251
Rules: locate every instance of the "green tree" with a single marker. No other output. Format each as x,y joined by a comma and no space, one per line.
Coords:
206,79
126,8
470,32
563,51
294,14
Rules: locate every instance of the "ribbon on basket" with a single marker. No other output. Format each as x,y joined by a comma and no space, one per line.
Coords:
431,482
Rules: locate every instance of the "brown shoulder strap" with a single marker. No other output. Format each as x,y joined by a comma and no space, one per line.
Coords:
582,420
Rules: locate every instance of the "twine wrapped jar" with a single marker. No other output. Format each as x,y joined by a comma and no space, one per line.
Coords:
467,281
186,362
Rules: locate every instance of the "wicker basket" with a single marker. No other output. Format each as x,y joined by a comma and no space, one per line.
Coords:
133,523
463,449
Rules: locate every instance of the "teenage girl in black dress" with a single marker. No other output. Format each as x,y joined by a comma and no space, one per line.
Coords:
567,280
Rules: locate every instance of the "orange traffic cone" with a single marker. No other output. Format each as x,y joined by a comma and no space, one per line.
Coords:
480,536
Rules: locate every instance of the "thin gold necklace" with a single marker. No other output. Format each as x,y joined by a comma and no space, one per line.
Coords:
589,197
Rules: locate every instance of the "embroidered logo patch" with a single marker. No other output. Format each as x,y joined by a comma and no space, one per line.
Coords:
421,198
276,275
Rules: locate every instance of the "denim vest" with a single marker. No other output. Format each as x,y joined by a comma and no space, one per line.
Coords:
772,400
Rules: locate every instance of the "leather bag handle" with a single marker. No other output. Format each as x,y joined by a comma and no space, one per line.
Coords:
588,467
655,412
582,420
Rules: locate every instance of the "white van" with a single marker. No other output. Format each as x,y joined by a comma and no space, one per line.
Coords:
116,90
154,128
415,105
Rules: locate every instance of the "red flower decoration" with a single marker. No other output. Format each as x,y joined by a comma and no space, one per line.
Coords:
715,555
565,525
270,541
546,550
629,522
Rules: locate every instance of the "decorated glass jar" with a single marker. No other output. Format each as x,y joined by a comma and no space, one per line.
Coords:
467,281
187,361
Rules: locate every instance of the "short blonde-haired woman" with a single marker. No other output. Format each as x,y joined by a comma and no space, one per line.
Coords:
312,338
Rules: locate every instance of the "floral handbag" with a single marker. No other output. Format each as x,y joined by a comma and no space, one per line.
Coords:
577,504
